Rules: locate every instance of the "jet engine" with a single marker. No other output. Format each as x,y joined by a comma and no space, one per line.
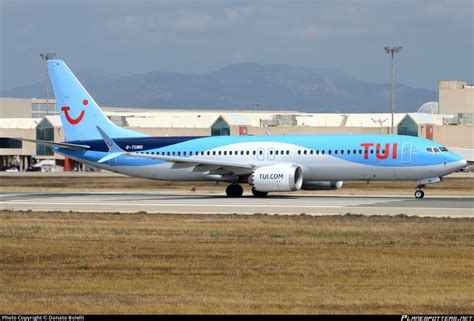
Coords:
277,178
321,185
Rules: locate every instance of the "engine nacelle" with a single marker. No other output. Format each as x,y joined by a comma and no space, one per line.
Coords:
321,185
277,178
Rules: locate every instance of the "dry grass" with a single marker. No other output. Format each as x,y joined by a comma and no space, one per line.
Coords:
139,263
450,186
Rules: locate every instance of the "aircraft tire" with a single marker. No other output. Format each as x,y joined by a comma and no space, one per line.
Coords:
258,193
419,194
234,190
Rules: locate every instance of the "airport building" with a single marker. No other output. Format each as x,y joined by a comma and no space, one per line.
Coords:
449,122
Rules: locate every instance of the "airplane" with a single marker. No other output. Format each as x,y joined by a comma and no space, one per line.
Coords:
270,163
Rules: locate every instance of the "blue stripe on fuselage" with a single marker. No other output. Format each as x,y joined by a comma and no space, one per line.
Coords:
419,156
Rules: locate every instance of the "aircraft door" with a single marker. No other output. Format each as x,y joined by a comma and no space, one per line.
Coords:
260,154
406,153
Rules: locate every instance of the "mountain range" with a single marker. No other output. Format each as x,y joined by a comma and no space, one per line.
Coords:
245,86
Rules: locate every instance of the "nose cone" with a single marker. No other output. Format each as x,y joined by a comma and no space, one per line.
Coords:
458,164
454,162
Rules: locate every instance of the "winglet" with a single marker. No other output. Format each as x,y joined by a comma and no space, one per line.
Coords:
114,149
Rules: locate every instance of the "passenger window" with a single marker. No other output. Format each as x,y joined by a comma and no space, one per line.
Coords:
323,152
336,151
311,152
179,153
247,152
299,152
230,152
173,153
208,153
317,151
271,152
287,152
305,152
254,152
329,152
241,152
276,152
260,152
219,153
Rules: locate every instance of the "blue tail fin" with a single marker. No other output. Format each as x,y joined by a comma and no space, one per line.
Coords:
80,114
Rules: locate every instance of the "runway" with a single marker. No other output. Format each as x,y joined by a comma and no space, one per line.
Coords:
434,206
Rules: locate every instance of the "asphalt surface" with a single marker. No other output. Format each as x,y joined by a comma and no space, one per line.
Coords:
433,206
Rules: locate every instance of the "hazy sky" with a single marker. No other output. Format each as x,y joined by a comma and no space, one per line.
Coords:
128,37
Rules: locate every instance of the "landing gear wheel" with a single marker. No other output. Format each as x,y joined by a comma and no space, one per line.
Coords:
234,190
258,193
419,194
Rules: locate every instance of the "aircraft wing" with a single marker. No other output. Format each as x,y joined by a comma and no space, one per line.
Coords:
199,164
234,167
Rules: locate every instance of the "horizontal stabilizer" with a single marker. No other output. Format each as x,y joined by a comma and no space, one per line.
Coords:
54,144
109,157
114,149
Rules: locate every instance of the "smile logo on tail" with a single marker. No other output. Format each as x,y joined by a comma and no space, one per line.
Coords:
74,121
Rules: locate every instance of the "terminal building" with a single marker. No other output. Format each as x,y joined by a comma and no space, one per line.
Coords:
448,121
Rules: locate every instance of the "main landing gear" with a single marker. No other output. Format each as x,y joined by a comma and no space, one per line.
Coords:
234,190
258,193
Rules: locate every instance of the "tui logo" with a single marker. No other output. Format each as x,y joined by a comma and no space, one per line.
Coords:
74,121
378,154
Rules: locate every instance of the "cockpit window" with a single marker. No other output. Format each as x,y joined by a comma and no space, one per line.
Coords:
436,149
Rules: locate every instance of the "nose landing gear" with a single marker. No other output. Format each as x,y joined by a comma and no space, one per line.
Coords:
422,183
419,193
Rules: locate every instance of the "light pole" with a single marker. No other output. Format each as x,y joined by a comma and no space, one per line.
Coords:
393,51
47,56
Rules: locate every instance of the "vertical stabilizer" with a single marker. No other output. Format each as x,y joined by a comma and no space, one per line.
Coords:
80,114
